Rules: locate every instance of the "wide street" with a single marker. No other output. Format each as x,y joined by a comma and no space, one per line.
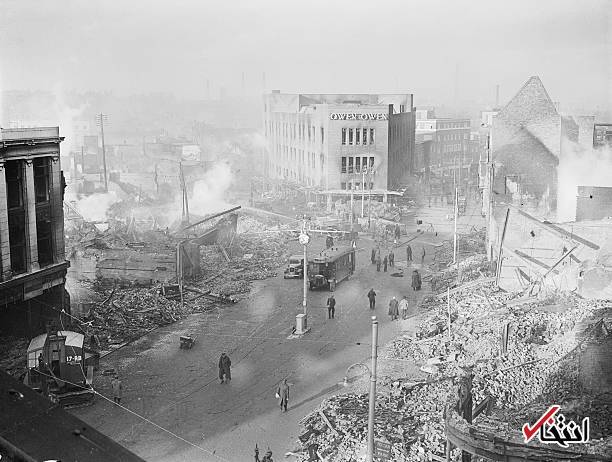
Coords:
179,390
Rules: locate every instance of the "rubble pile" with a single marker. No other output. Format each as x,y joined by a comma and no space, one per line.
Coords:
468,245
13,358
127,314
539,366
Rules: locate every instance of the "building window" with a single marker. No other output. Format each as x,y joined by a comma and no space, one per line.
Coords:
371,136
358,136
343,185
371,185
344,136
322,135
350,136
44,227
343,166
364,162
16,214
358,164
365,136
371,162
350,165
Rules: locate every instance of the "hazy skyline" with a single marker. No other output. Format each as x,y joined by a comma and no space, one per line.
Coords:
426,48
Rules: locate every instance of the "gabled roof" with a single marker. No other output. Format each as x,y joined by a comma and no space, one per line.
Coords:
531,100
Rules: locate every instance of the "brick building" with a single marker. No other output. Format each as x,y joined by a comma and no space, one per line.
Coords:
326,141
32,260
526,140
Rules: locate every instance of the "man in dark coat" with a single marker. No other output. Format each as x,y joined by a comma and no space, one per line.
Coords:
283,394
373,257
416,280
331,306
393,309
378,263
397,232
408,253
385,261
372,298
391,258
225,374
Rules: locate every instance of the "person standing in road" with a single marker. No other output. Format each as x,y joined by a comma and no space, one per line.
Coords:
378,263
283,395
403,307
416,280
393,311
385,261
225,363
372,298
423,256
408,253
373,257
391,258
117,387
397,232
331,307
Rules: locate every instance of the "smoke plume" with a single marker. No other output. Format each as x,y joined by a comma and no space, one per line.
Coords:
210,192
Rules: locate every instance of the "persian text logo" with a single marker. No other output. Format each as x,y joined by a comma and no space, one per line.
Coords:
555,428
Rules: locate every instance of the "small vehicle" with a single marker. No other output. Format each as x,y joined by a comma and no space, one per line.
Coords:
60,366
330,267
295,267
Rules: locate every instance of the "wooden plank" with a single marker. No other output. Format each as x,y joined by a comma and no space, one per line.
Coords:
501,249
324,417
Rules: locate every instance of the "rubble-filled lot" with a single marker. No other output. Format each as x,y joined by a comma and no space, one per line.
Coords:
538,367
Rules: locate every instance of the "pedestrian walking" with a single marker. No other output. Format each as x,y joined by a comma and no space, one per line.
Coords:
397,232
378,252
393,309
331,307
117,387
391,258
408,253
373,257
403,307
385,262
416,280
283,395
423,255
378,263
372,298
225,374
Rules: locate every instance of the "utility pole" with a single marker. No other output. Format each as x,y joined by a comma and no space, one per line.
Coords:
372,404
185,197
304,239
455,231
82,162
100,118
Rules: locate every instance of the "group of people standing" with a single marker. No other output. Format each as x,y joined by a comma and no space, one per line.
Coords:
387,260
395,307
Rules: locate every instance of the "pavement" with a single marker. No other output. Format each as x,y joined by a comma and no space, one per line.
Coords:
175,407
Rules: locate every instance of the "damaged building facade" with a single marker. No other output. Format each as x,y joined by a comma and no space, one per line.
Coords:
32,258
527,138
329,141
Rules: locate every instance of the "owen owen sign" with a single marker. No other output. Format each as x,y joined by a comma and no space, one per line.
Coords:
355,116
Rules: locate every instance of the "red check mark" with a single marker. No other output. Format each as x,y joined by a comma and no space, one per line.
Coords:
529,432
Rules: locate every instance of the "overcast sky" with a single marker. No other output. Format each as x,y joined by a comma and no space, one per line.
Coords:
425,47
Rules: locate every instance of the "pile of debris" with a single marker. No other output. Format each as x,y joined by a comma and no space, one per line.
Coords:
127,314
468,245
520,350
13,358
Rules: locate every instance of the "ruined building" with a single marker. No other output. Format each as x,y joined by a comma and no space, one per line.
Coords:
32,260
527,140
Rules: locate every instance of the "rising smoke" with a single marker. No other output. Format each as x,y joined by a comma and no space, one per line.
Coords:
580,166
210,192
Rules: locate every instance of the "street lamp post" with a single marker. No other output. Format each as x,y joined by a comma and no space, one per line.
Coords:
304,239
372,401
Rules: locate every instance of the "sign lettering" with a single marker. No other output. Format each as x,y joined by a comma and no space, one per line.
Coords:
356,116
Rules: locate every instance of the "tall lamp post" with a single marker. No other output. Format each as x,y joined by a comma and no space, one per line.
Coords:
372,403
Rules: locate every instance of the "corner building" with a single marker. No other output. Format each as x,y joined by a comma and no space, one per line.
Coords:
339,142
32,256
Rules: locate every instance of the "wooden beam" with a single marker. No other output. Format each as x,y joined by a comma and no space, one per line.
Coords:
501,249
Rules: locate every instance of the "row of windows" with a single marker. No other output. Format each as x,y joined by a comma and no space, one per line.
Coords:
294,131
287,154
451,137
293,175
355,164
358,136
356,185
